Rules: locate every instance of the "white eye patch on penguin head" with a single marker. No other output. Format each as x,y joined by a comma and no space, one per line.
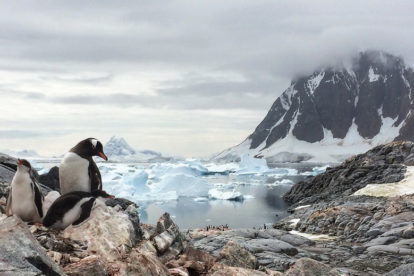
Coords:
89,147
98,148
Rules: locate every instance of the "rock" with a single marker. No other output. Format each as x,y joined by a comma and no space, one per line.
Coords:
89,266
271,245
194,261
51,179
275,261
167,238
403,270
374,232
354,174
233,254
408,233
107,233
379,249
20,253
223,270
140,263
309,267
123,202
132,212
381,241
178,272
7,169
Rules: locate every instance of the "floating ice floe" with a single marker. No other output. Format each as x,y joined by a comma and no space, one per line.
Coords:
281,182
225,195
226,168
316,171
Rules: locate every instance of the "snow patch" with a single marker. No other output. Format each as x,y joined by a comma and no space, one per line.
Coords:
314,82
404,187
321,237
372,76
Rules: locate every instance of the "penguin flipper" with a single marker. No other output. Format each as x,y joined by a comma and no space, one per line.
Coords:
9,211
86,209
95,176
38,197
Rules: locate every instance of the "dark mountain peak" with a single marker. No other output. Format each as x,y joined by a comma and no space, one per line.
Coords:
367,102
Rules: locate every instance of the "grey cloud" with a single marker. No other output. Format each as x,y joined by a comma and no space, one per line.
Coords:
82,79
256,47
27,134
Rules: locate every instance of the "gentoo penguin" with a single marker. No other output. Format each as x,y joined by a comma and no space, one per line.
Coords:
25,199
72,208
78,171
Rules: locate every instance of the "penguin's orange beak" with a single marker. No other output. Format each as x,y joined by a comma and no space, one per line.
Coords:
103,156
19,162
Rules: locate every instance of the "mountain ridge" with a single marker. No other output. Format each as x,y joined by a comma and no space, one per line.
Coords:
351,107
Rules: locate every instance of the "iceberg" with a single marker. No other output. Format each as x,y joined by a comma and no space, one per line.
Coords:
183,185
251,165
225,168
225,195
132,186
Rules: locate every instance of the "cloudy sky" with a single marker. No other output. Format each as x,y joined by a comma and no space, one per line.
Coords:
183,77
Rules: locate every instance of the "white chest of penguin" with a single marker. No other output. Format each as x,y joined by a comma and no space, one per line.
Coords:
23,197
74,174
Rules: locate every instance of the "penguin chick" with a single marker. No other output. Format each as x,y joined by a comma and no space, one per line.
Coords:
25,199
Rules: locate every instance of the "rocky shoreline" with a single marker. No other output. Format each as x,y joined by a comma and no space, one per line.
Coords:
331,231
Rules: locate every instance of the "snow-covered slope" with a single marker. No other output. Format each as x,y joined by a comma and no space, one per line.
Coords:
336,112
118,150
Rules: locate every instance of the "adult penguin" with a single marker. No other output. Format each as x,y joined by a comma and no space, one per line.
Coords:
72,208
78,171
25,199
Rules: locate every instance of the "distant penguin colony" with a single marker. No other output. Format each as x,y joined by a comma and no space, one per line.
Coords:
78,171
80,186
25,198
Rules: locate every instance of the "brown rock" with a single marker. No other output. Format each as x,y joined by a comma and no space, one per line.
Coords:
233,254
224,270
89,266
139,263
194,261
310,267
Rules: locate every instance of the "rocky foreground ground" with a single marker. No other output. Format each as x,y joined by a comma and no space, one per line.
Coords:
331,231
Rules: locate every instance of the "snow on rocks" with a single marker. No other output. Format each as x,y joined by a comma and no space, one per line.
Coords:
404,187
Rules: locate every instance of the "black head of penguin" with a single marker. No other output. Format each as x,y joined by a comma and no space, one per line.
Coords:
24,164
88,148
